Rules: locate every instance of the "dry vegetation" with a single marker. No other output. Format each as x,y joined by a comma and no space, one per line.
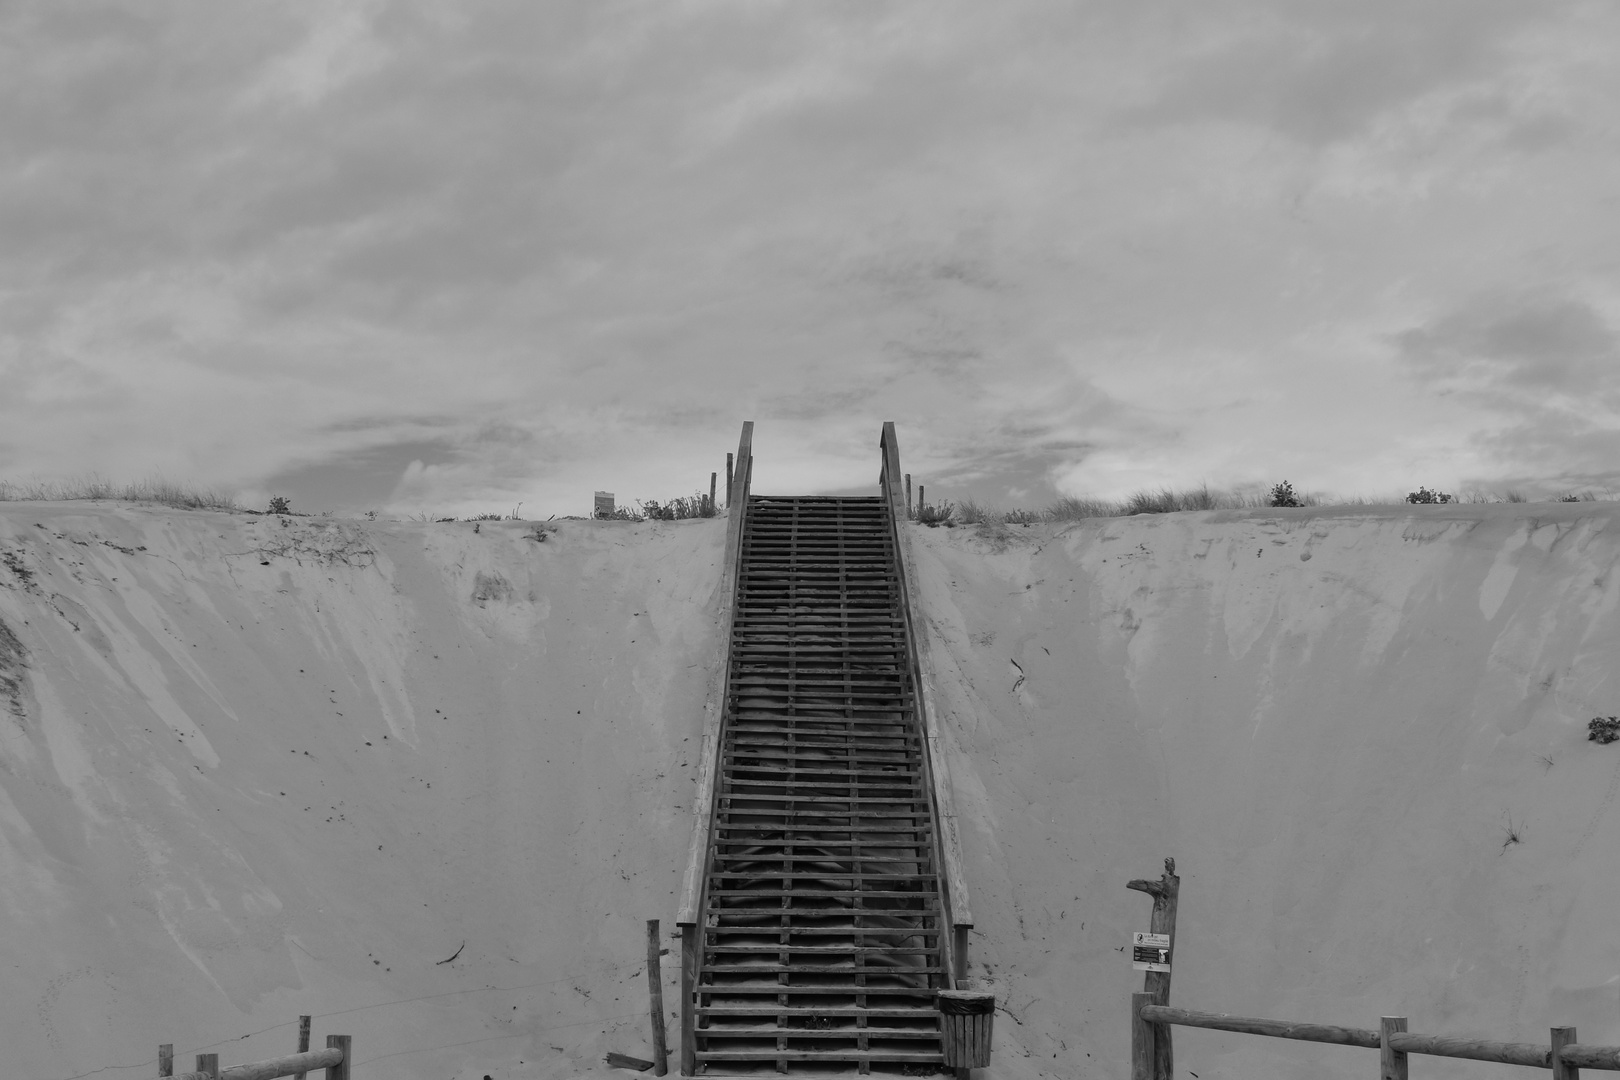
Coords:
153,490
1169,501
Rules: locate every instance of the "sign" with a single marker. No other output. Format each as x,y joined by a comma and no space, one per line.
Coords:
604,502
1150,952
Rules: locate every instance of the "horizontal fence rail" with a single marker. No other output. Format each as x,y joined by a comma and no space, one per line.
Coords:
334,1059
1562,1054
1253,1025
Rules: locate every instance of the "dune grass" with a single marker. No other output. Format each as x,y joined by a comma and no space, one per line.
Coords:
1166,500
151,490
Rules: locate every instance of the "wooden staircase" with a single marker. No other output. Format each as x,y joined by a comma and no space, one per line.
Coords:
822,935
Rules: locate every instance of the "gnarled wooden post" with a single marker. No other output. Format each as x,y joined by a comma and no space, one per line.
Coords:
1165,892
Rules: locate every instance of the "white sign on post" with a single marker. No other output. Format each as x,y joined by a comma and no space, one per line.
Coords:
1150,952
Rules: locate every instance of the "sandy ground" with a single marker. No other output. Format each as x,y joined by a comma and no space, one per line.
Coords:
256,769
1333,720
252,769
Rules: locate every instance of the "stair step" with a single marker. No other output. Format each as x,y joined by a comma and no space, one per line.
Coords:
841,1012
828,931
789,1032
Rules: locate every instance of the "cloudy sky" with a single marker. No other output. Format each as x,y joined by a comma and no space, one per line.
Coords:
450,256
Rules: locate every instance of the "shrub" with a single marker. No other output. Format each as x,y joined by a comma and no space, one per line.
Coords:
279,505
1283,495
1603,730
1425,496
935,516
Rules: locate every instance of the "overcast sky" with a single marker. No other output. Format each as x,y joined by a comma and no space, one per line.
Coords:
450,256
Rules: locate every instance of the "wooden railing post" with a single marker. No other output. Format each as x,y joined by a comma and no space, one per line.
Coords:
1561,1069
1391,1062
166,1059
340,1071
303,1042
1141,1039
208,1065
728,481
655,991
689,960
1166,893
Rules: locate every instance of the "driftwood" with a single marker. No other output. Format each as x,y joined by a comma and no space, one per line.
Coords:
625,1061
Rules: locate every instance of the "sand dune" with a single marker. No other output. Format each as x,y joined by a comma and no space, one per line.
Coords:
253,769
1331,719
256,770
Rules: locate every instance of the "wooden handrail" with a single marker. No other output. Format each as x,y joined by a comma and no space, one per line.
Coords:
1530,1055
690,910
947,840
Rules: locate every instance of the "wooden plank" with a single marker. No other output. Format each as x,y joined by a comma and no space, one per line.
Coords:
775,1031
752,970
921,1012
1277,1029
918,1057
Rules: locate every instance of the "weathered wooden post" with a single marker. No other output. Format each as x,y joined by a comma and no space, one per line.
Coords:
908,496
166,1059
689,977
1141,1039
728,481
208,1065
711,494
1562,1070
655,989
345,1043
920,497
303,1042
1165,893
1391,1062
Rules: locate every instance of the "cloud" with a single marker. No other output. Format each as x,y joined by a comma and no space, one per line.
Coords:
1323,72
1542,364
524,243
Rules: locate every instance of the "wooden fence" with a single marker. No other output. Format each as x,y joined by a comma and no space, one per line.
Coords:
334,1059
1152,1018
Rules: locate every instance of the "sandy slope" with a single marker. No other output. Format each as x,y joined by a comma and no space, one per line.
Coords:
1328,717
255,769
